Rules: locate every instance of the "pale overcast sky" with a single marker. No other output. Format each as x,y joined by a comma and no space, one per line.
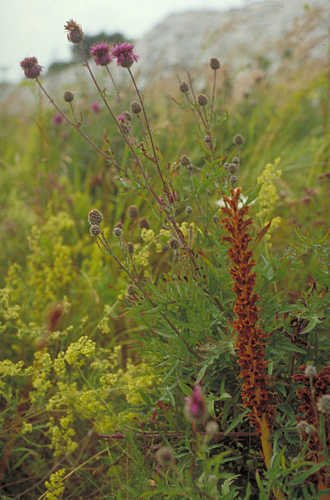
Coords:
35,27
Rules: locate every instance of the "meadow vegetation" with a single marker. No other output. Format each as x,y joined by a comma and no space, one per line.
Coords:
165,287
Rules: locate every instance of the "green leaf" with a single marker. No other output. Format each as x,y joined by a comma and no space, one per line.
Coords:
185,388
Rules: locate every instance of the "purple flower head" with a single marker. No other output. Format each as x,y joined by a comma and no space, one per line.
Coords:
31,67
95,107
101,53
121,118
124,53
195,406
57,119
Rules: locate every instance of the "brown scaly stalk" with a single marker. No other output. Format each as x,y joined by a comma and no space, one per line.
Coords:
250,341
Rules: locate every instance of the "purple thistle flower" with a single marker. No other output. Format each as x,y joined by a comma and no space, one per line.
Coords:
31,67
101,53
95,107
195,406
124,53
57,119
121,118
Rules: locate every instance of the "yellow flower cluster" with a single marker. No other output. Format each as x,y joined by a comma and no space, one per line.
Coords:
7,367
268,196
77,352
61,435
55,485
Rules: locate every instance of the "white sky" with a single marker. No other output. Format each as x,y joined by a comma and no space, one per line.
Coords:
35,27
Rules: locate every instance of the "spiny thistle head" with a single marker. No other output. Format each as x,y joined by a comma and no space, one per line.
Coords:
95,229
185,160
238,139
133,212
310,371
75,33
124,53
232,168
195,406
101,53
202,100
31,67
323,404
235,160
233,180
212,427
190,167
135,107
128,116
174,243
164,456
117,232
207,139
189,210
214,63
184,87
130,247
95,217
68,96
144,223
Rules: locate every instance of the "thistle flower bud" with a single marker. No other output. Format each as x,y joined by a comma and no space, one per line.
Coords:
128,116
164,456
216,219
95,229
301,426
184,87
189,210
212,427
190,167
310,371
214,63
117,232
68,96
323,404
185,160
75,33
233,179
95,217
238,140
133,212
135,107
202,100
144,223
174,244
195,406
130,247
232,168
207,139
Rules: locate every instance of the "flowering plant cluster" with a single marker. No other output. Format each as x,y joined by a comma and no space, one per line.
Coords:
174,361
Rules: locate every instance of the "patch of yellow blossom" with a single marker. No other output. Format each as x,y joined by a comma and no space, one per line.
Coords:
77,352
61,435
103,325
268,197
55,485
7,367
26,428
147,235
